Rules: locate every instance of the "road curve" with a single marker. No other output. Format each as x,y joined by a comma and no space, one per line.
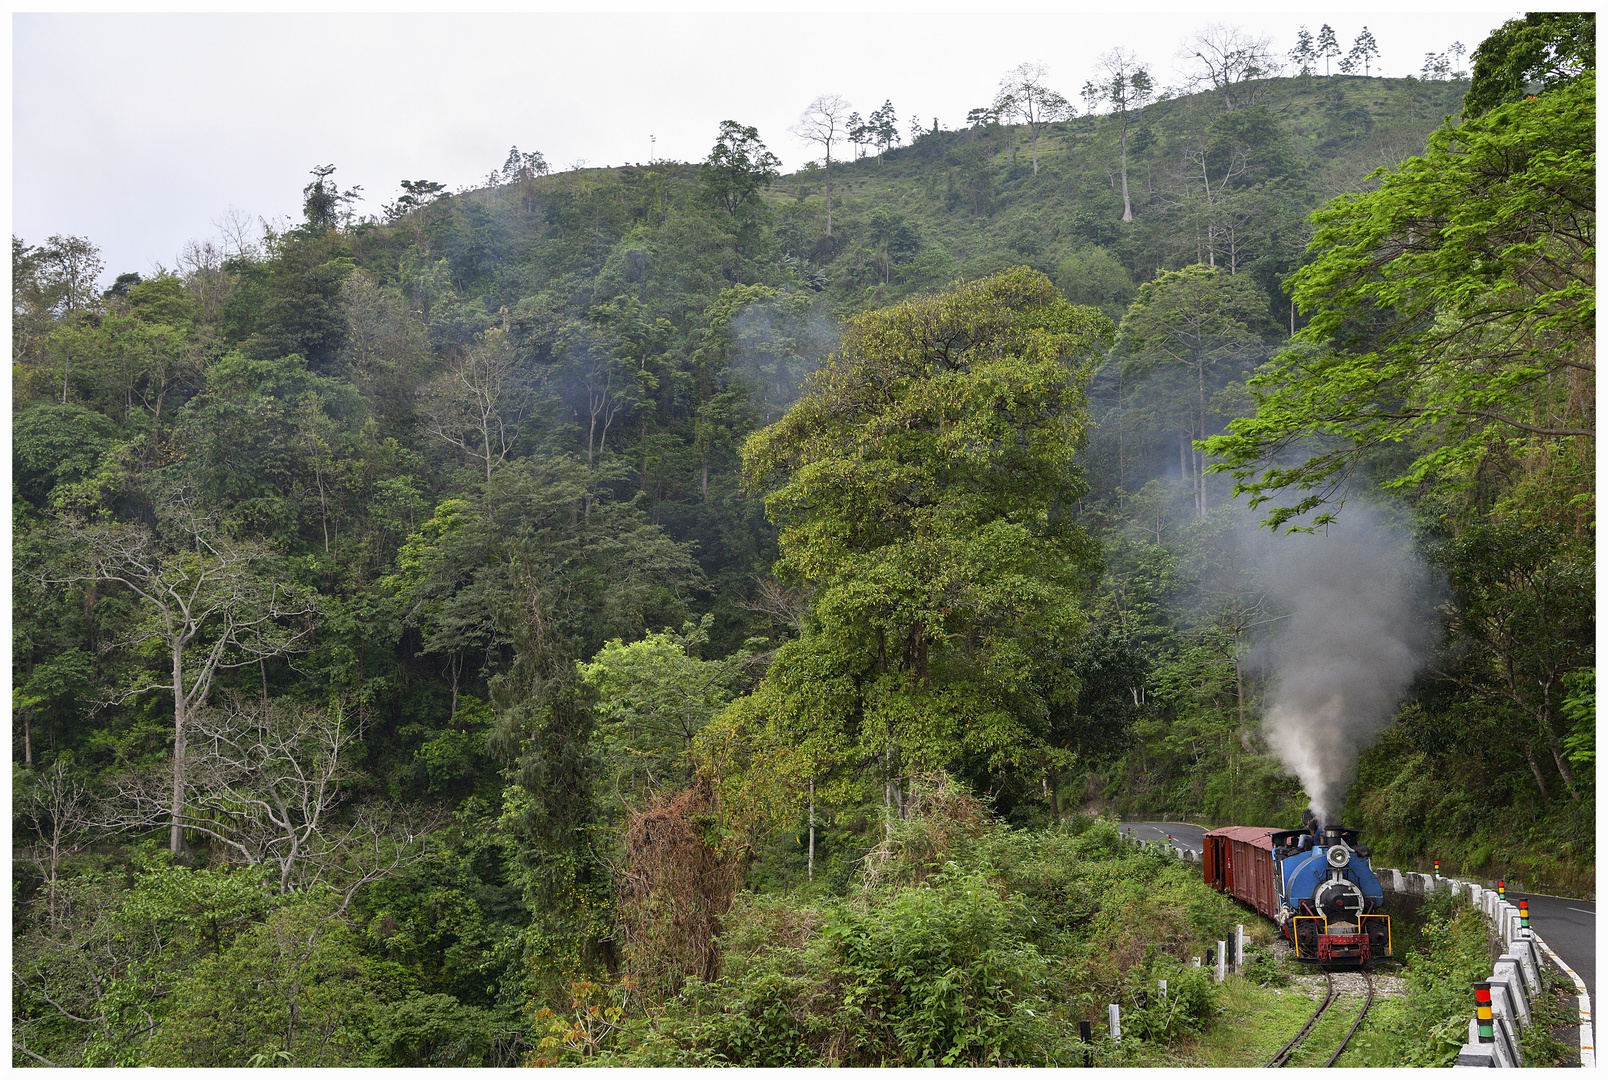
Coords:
1570,927
1184,835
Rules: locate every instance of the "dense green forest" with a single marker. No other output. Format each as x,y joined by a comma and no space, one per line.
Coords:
657,614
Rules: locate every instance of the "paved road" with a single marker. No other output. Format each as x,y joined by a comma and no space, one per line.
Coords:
1570,927
1184,835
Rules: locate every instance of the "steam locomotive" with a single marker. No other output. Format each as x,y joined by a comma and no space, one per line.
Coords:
1314,882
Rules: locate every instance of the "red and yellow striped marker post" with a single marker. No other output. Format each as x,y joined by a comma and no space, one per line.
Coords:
1482,1012
1524,914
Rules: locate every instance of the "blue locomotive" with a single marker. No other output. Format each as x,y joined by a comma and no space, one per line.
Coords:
1314,882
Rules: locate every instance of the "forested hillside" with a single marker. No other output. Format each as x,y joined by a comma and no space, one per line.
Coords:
429,626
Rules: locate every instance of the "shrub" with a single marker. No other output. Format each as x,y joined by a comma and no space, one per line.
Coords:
946,971
674,888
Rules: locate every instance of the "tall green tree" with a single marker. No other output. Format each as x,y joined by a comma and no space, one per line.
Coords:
653,697
884,128
1305,53
924,485
1328,45
1193,322
1540,52
324,204
738,168
1521,623
1363,51
52,288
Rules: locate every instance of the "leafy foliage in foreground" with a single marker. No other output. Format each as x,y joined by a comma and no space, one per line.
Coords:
965,943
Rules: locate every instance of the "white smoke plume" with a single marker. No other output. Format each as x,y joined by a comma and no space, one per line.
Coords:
1360,624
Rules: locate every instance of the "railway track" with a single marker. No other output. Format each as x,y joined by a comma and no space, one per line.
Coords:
1367,1003
1330,996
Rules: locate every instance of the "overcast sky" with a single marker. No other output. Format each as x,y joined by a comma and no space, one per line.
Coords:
140,131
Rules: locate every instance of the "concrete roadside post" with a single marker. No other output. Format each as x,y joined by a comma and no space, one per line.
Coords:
1222,961
1115,1013
1239,949
1161,989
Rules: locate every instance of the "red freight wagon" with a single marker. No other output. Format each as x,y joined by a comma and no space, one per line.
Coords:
1239,860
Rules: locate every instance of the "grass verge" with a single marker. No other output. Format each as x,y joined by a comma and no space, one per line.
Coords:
1253,1022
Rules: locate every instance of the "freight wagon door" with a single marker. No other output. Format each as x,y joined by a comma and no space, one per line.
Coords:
1265,897
1241,861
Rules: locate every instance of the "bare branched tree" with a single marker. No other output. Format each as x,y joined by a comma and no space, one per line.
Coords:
1202,193
824,122
607,395
265,780
241,234
1232,62
205,599
200,264
58,814
1025,97
481,401
784,606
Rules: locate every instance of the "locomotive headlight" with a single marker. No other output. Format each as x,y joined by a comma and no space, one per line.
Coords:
1339,856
